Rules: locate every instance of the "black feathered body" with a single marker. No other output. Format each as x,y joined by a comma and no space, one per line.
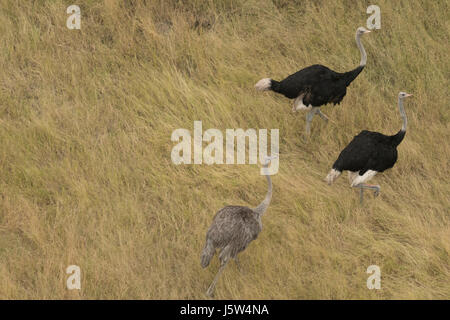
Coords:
369,151
231,231
319,84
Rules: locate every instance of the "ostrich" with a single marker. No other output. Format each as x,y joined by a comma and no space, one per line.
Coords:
232,230
316,85
369,153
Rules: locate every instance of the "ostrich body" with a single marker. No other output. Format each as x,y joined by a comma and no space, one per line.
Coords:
316,85
232,230
369,153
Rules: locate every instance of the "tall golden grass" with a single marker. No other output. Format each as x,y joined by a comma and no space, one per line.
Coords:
86,176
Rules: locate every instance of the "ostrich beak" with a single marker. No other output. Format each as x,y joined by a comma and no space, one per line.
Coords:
367,31
268,159
409,95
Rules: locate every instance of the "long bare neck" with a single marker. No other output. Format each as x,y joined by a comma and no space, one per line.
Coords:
399,136
363,61
262,207
402,114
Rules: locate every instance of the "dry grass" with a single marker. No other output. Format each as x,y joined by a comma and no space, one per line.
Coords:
86,176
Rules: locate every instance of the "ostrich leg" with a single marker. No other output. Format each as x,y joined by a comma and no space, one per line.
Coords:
238,264
361,195
309,117
324,117
210,291
224,257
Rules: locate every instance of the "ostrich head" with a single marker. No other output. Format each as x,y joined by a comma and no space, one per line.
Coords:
403,95
361,30
268,159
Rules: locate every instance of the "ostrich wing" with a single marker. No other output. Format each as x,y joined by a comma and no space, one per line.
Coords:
234,225
367,151
319,85
305,80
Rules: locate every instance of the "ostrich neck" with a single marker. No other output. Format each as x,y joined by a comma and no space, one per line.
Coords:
402,114
363,61
262,207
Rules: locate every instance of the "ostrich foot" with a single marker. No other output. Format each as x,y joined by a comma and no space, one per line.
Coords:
376,193
363,186
210,292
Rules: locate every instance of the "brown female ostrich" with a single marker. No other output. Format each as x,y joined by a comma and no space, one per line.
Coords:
232,230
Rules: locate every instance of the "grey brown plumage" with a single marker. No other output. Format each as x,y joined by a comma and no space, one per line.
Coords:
232,230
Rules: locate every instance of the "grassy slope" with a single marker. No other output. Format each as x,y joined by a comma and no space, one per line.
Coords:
85,170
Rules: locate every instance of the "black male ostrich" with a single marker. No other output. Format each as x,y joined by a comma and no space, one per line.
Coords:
369,153
232,230
316,85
